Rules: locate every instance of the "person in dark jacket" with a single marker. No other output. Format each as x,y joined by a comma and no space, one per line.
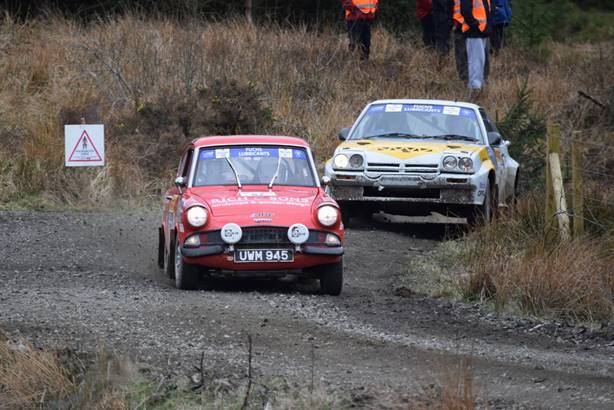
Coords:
474,19
501,17
424,13
442,19
359,15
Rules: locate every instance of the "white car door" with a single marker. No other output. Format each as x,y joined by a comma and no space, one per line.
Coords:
501,155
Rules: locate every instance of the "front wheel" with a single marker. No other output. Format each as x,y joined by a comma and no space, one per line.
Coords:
331,278
483,214
346,215
186,275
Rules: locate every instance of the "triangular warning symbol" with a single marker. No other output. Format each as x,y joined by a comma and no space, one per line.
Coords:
85,150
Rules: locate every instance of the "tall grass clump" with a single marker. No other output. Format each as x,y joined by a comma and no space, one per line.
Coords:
517,263
30,377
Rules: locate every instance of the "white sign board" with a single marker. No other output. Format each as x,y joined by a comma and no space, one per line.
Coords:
84,145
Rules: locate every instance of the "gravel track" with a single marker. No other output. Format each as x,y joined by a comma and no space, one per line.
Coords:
81,279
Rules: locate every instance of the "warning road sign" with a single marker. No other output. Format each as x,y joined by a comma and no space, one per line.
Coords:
84,145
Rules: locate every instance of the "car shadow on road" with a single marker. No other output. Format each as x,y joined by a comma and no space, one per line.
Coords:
395,224
287,285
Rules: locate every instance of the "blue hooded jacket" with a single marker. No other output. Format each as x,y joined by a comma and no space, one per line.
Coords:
502,11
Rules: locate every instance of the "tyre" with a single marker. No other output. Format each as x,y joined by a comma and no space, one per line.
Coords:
331,278
169,258
161,247
186,275
346,215
483,214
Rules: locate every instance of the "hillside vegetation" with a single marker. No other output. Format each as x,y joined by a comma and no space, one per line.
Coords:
157,84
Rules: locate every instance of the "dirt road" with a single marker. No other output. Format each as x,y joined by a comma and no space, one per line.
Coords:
82,279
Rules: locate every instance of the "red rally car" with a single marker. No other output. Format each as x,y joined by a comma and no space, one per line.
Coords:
250,206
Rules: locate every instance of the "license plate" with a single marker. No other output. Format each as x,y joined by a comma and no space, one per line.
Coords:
399,181
263,255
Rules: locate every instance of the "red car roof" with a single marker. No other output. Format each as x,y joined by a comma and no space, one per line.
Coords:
249,139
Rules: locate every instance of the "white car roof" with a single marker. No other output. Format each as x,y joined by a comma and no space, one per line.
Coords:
427,102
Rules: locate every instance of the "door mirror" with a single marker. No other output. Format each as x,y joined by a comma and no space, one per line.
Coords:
494,138
180,181
325,180
343,134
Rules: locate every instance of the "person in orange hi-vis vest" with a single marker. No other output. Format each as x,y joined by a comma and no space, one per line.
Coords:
473,21
359,15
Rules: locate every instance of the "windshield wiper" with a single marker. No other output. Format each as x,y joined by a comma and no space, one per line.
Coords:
235,171
392,135
454,137
276,173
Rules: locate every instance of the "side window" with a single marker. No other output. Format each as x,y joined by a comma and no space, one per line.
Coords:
184,164
488,123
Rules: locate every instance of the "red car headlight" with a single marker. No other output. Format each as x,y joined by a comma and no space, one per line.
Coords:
197,216
328,215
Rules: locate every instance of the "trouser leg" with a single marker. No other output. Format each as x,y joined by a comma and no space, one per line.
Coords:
486,58
476,61
496,38
460,54
442,18
353,35
428,31
365,40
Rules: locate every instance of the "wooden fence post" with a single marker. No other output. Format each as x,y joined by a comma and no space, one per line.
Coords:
576,176
559,197
554,146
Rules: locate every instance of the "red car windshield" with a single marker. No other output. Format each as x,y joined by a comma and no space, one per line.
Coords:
253,165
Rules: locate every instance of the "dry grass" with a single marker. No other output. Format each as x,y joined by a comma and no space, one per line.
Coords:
454,390
30,377
56,71
516,263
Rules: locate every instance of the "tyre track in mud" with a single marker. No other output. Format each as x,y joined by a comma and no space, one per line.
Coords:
82,279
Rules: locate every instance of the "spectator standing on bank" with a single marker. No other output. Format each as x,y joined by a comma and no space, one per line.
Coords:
460,47
359,15
501,17
442,18
424,13
474,16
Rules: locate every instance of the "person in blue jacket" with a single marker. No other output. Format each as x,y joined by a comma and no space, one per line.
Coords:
501,17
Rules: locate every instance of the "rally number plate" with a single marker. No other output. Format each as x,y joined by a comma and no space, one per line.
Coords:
399,181
263,255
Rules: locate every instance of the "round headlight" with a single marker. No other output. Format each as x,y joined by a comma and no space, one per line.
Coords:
328,215
231,233
341,161
197,216
465,164
356,161
449,162
298,234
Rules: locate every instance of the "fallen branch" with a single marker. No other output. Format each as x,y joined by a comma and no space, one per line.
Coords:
592,99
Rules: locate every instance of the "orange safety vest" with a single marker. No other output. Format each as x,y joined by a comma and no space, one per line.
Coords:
478,11
365,6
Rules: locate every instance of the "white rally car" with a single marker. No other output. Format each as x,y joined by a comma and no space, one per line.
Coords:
418,157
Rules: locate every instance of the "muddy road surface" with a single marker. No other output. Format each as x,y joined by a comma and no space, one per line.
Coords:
81,279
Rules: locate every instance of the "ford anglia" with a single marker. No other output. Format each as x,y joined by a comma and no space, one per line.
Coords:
419,157
250,206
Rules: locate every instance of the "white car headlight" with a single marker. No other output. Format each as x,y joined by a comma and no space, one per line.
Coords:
356,161
341,161
449,163
328,215
465,164
197,216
